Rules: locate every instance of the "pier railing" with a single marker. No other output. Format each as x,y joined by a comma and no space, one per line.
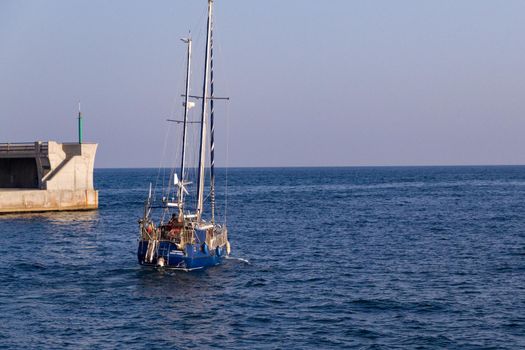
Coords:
24,147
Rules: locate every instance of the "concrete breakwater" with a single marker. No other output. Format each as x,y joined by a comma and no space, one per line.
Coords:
47,176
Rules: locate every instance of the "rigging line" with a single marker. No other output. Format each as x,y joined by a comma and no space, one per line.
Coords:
227,161
171,163
226,83
162,159
208,98
197,25
204,105
165,162
181,121
191,171
181,87
172,172
192,161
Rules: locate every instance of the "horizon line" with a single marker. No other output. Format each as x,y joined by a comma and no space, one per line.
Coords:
333,166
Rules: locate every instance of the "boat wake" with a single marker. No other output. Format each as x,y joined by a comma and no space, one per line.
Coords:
238,259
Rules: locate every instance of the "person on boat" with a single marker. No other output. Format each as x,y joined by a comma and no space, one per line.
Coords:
174,227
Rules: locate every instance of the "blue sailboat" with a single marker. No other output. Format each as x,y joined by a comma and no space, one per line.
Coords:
183,239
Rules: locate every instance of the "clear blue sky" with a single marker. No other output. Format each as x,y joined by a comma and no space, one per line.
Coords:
312,83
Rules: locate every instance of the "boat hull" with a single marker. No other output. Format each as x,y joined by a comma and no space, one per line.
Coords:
168,256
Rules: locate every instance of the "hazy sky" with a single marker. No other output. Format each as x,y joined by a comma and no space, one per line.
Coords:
312,83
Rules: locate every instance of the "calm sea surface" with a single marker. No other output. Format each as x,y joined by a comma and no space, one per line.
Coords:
365,258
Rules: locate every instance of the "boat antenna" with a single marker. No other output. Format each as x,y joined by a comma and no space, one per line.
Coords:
200,182
79,124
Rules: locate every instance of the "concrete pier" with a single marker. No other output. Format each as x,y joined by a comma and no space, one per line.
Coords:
47,176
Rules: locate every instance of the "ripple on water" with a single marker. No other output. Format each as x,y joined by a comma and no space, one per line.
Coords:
365,258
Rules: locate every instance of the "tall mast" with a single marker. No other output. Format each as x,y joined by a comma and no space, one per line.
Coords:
212,133
184,128
202,153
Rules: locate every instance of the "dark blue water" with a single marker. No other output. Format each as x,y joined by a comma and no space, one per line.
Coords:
367,258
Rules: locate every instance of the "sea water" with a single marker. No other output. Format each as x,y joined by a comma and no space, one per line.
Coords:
365,258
